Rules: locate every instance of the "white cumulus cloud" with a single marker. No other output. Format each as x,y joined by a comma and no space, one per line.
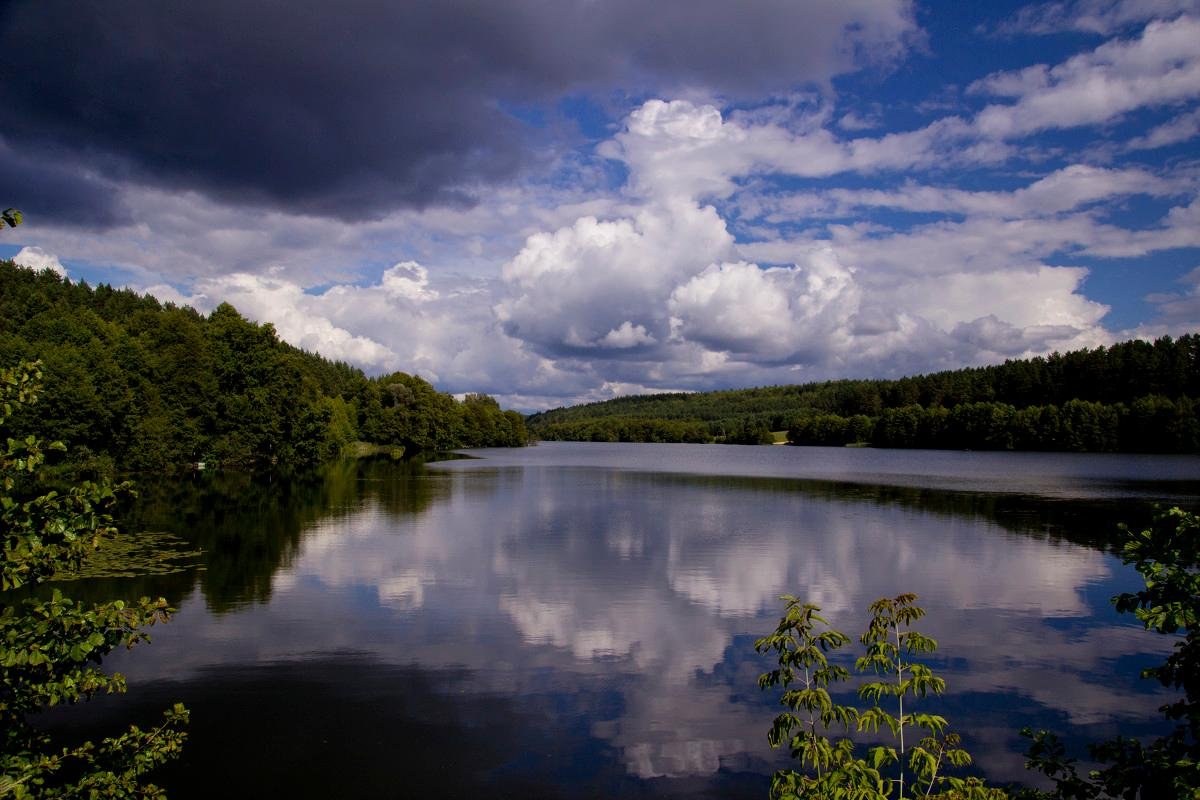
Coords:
37,259
792,313
297,316
704,244
580,286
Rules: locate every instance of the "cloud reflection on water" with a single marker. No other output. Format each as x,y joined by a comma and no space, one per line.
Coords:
653,586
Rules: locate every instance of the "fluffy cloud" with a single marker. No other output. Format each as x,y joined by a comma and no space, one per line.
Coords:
653,290
785,314
666,286
37,259
1180,129
1041,298
297,316
1159,67
401,323
578,288
627,335
660,294
717,236
852,121
681,149
408,280
980,243
1179,228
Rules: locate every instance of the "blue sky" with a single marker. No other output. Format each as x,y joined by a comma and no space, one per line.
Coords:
565,202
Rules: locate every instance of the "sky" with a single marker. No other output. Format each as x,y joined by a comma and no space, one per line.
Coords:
559,201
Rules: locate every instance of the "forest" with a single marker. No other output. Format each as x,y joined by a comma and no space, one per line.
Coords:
137,385
1135,396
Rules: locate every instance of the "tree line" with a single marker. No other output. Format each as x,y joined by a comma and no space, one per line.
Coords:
1135,396
1152,424
140,385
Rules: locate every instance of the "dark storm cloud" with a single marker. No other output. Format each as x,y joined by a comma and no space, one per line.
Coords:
46,190
349,109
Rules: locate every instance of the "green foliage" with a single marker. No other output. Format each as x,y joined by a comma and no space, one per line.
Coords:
10,217
832,768
750,432
627,429
1134,397
51,649
155,387
1167,555
801,643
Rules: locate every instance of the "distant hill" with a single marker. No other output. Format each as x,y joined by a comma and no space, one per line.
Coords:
149,386
1135,396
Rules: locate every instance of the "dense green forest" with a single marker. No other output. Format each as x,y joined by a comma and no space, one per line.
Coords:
1136,396
139,385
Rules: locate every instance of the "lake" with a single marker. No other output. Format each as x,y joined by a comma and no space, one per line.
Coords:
577,620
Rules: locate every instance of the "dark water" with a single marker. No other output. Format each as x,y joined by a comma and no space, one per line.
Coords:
578,620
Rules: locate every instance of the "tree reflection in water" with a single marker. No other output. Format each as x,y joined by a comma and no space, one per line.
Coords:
558,629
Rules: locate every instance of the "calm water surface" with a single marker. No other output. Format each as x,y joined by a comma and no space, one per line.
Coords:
578,619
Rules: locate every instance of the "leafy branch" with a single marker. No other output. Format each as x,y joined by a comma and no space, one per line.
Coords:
51,650
831,768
